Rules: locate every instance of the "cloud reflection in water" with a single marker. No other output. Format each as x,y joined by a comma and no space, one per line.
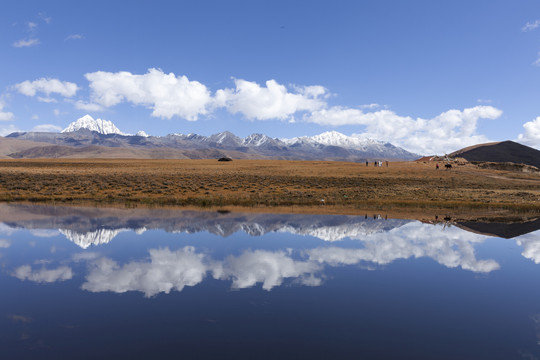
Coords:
169,270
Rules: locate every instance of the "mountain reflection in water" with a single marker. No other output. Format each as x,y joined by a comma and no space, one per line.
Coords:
377,241
247,285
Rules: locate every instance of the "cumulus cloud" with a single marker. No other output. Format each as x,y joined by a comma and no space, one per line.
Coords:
448,131
267,267
47,86
4,115
173,270
6,130
531,136
26,43
531,246
167,95
452,248
61,273
530,26
274,101
166,271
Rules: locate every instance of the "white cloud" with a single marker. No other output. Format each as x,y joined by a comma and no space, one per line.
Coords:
26,43
35,117
46,128
173,270
47,87
74,37
6,130
448,131
5,116
271,102
531,136
31,25
61,273
452,248
530,26
531,246
166,271
166,94
4,243
267,267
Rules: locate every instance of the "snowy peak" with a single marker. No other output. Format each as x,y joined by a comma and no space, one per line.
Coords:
256,140
87,122
334,138
96,237
225,138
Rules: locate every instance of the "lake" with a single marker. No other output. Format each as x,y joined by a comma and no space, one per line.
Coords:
86,283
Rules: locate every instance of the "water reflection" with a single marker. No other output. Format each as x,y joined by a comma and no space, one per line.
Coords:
346,240
307,274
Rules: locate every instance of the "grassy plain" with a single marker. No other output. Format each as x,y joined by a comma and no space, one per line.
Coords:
274,185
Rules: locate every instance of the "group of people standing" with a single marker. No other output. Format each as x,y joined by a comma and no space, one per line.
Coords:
377,163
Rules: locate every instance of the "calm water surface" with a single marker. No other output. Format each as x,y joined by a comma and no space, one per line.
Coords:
85,283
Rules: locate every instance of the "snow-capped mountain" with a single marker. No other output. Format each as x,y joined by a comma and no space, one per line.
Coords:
330,145
334,138
98,125
257,140
96,237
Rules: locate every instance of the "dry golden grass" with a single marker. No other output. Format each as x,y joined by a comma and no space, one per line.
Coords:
345,187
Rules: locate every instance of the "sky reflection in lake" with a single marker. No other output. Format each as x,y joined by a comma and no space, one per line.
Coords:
145,283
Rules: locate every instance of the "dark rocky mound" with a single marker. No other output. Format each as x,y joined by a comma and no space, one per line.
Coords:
503,230
505,151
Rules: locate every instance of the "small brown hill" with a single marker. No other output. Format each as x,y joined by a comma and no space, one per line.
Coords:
504,151
8,146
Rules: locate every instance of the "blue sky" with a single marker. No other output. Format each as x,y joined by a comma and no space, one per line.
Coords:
430,76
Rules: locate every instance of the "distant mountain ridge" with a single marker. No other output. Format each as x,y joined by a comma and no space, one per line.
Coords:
81,138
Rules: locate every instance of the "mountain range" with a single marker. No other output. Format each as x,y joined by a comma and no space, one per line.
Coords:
88,137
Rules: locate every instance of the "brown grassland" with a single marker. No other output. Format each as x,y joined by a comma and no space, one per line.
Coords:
403,189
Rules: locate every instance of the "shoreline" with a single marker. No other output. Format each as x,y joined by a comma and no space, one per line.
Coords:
412,190
433,215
